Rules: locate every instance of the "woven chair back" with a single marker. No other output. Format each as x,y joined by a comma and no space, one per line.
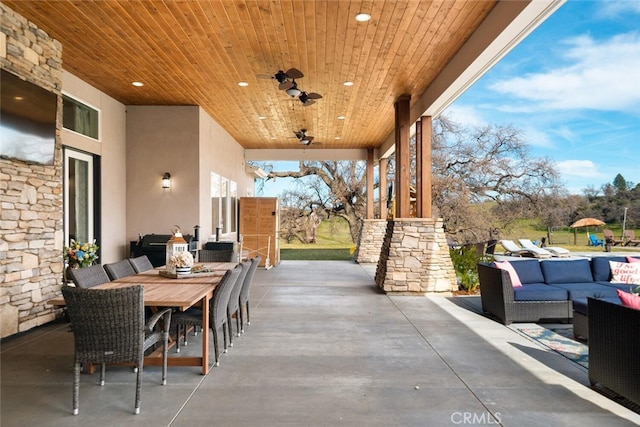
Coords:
246,285
208,255
88,277
108,324
221,296
119,269
141,263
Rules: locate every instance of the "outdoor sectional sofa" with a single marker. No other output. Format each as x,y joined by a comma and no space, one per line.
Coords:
549,288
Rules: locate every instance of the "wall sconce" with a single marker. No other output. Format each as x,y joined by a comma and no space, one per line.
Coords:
166,180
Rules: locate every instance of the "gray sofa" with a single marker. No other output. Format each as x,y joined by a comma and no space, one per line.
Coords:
548,289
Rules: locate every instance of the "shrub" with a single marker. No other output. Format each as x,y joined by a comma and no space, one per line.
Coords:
465,263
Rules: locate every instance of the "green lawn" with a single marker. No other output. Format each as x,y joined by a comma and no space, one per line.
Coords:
333,244
334,241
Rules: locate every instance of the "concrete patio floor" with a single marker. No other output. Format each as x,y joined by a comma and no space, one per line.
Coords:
324,348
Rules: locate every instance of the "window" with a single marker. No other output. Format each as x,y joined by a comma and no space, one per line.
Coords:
78,197
224,204
80,118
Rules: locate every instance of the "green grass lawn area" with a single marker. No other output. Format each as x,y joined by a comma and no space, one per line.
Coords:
333,244
564,237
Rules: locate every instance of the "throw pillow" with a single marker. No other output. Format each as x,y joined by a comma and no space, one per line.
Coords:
632,259
629,300
625,272
506,266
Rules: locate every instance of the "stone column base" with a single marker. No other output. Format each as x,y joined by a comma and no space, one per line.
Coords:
414,258
372,232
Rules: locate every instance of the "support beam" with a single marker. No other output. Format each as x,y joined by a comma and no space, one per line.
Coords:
403,157
370,167
423,167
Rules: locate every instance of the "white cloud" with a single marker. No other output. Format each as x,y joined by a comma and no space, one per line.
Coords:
465,115
616,8
603,76
579,168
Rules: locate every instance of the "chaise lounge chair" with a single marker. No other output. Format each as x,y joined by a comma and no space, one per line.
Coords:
512,249
630,238
610,238
553,250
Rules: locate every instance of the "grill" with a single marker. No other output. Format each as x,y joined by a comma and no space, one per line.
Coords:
154,246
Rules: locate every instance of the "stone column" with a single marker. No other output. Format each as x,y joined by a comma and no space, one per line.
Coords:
372,232
414,259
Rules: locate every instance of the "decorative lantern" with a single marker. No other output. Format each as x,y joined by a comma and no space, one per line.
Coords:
175,245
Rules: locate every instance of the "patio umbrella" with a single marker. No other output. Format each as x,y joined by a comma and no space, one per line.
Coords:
584,222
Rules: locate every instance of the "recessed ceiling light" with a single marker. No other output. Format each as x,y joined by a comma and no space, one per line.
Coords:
342,117
262,117
347,83
243,84
363,17
337,137
137,84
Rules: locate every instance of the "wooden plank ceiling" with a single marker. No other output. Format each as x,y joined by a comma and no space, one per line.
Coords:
195,53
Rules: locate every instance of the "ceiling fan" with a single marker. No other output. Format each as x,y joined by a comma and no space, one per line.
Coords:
287,79
303,137
287,82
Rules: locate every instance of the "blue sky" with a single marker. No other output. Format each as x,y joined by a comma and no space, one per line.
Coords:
573,88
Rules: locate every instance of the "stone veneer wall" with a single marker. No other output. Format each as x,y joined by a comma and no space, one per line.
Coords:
30,194
415,258
372,232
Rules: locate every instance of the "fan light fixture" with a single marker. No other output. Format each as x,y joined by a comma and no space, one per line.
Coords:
293,91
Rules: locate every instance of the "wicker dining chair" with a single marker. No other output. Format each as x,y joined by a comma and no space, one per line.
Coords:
234,301
208,255
217,313
244,293
141,263
119,269
109,327
88,277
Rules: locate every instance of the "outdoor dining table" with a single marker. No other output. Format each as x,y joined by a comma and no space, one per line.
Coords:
182,293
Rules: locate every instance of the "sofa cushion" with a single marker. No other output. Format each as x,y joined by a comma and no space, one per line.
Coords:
539,292
622,286
632,259
575,271
586,289
506,266
600,267
629,300
528,271
625,272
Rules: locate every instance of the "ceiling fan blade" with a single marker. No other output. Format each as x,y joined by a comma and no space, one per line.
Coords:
294,73
314,95
309,102
286,85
